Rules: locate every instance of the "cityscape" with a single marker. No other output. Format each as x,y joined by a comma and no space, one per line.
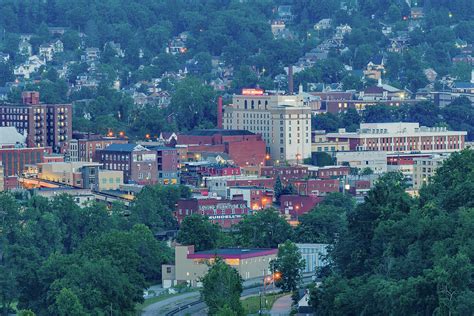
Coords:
236,157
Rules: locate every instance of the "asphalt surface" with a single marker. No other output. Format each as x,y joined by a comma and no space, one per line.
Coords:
197,307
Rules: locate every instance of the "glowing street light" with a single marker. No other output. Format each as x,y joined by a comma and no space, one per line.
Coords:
277,276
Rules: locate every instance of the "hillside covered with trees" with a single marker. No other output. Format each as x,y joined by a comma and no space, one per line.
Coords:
406,256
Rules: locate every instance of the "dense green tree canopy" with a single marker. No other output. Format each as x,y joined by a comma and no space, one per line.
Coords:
403,255
57,258
265,229
222,286
197,230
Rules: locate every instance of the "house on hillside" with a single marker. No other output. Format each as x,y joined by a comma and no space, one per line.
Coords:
48,50
25,48
323,24
375,68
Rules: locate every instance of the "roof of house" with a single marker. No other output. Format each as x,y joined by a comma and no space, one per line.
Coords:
223,132
233,253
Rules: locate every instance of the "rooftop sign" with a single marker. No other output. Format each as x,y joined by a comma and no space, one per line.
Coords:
251,91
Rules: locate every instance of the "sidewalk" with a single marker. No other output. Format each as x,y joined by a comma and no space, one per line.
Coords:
282,306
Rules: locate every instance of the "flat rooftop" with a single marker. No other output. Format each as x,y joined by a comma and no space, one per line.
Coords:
233,253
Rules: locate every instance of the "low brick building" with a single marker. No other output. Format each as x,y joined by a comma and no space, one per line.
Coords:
317,187
223,212
286,173
244,147
15,159
293,206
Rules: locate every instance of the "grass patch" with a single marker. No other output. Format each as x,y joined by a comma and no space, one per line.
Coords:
252,304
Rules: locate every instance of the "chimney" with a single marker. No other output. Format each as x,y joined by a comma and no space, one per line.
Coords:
219,112
290,79
30,97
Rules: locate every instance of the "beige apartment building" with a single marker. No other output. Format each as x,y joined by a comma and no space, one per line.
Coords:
284,121
190,266
321,143
424,168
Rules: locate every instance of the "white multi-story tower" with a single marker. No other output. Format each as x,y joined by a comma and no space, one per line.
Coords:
284,121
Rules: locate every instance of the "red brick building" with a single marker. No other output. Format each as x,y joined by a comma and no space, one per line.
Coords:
15,159
84,146
256,197
225,213
244,147
267,183
329,172
46,125
286,173
167,159
293,206
316,187
138,163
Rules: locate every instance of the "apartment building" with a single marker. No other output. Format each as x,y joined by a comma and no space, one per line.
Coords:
284,121
46,125
424,168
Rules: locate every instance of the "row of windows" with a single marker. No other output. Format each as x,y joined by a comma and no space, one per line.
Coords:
14,110
116,157
326,148
116,166
111,180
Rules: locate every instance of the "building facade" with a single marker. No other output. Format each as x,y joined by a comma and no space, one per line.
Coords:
167,159
284,121
139,164
243,147
223,212
401,137
375,160
15,159
285,173
191,266
257,198
292,206
46,125
424,168
84,147
77,174
314,255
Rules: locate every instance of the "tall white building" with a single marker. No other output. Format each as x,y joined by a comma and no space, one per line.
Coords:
284,121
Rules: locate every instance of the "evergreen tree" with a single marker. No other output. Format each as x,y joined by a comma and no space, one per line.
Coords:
278,189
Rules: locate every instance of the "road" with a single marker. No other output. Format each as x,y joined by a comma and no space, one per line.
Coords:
196,306
164,306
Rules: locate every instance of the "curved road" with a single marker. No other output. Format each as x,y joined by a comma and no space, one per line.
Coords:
193,305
